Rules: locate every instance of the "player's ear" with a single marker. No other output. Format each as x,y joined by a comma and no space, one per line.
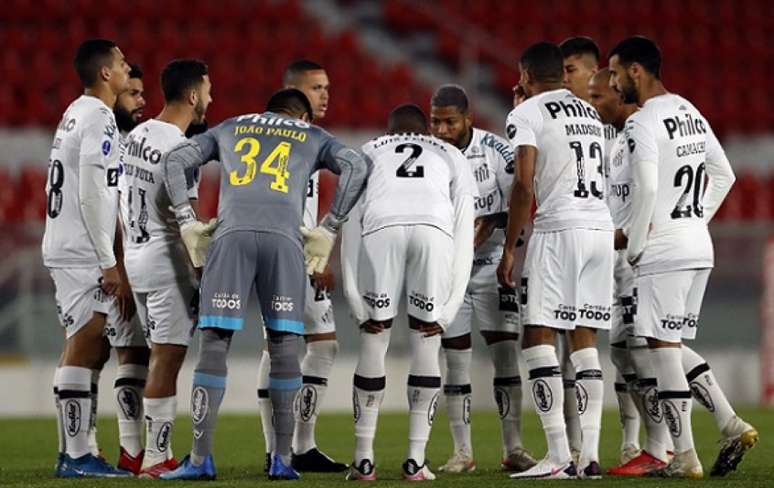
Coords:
105,73
193,98
305,117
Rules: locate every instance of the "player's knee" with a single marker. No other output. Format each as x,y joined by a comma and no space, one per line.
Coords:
133,355
213,349
494,336
458,343
283,351
619,356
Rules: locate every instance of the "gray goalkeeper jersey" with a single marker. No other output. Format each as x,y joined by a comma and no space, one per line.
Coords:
266,161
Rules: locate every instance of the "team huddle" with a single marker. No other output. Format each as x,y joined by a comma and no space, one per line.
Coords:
431,212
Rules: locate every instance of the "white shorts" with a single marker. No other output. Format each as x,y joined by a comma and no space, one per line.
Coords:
79,296
494,308
318,312
624,300
168,315
668,304
567,280
420,256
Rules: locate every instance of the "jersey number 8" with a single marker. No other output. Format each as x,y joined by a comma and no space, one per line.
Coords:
55,182
280,154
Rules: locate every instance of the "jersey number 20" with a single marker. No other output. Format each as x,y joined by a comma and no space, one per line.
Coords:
275,164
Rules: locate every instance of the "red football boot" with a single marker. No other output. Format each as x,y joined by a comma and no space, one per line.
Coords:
639,466
133,464
158,469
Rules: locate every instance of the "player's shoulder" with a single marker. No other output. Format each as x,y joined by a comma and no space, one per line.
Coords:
91,109
492,143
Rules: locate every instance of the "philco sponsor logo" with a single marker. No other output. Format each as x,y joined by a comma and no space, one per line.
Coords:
421,301
72,411
281,303
228,301
199,404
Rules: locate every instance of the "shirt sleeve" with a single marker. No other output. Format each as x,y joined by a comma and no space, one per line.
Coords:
351,240
187,156
98,203
353,169
643,153
523,124
721,176
505,167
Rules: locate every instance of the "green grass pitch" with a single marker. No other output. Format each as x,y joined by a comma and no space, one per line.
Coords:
28,451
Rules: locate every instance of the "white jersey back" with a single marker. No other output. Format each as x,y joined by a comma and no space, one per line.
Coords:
86,136
312,205
490,158
569,184
619,182
154,254
671,132
415,180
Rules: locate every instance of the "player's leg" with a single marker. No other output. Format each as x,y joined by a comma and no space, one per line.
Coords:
457,389
128,392
169,318
321,349
82,310
546,281
95,376
497,311
571,417
628,409
660,317
264,405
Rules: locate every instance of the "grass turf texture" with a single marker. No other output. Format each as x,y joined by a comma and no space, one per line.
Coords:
28,451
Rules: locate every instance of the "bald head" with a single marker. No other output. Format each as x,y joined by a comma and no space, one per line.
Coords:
607,101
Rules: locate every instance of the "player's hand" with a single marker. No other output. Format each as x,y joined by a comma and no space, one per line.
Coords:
124,298
430,330
505,269
318,244
620,240
324,281
111,280
372,327
196,237
483,230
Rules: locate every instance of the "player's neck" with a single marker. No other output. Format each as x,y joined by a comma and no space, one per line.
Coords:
543,86
176,115
102,92
626,112
466,140
650,88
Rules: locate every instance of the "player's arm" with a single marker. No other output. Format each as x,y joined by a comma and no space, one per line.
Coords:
721,176
126,305
351,238
464,192
643,156
186,157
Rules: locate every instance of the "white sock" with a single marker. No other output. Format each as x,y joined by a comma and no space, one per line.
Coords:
75,408
423,387
458,397
590,390
315,368
627,406
160,423
264,402
507,391
705,387
58,408
128,391
545,379
93,444
368,392
570,408
674,396
657,438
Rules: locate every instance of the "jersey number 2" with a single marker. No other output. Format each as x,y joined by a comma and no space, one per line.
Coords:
275,164
407,169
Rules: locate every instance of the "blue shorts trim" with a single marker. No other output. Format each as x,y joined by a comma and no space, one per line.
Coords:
220,322
285,325
209,380
287,384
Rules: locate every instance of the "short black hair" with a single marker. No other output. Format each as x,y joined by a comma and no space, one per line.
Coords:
577,46
90,56
290,101
181,75
135,71
640,50
297,68
450,96
543,61
407,118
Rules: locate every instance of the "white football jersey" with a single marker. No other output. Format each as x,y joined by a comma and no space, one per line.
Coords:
415,180
671,132
154,254
619,183
86,136
569,181
312,204
490,158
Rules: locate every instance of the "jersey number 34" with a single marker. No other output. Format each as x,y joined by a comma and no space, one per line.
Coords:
275,164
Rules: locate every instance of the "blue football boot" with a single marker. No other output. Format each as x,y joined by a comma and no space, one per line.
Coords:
88,466
279,471
186,470
59,464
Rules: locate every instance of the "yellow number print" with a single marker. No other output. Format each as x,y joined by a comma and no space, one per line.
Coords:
280,155
248,158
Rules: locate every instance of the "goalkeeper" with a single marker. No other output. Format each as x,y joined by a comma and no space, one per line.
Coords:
266,161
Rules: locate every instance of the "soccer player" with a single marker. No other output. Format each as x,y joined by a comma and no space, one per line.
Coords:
581,61
92,292
567,278
131,103
319,325
156,261
412,228
267,160
495,308
671,150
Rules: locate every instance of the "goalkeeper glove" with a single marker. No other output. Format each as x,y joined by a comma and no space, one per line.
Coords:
318,244
196,235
